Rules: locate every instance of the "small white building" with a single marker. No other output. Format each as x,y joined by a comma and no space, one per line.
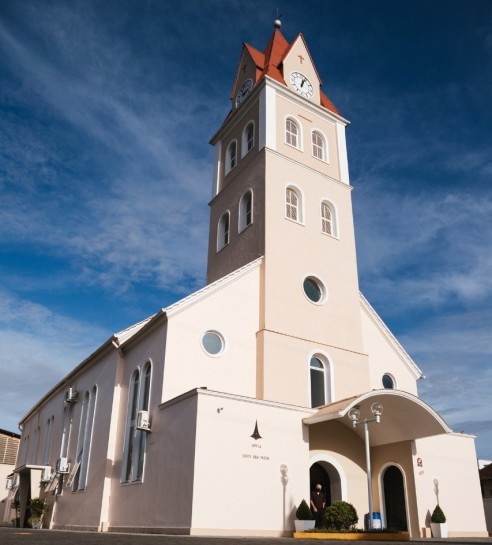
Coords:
217,414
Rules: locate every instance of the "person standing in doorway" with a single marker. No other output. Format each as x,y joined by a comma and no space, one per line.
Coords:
318,504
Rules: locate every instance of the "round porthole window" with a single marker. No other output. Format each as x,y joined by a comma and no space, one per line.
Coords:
213,343
388,381
314,289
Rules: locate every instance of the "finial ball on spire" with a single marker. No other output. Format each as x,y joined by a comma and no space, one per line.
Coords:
277,23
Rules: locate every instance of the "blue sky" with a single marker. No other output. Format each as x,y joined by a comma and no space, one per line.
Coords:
106,111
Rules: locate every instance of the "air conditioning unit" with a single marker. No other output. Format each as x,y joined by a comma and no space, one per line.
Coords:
9,483
143,421
71,395
62,465
46,474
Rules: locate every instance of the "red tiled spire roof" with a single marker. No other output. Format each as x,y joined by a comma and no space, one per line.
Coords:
269,63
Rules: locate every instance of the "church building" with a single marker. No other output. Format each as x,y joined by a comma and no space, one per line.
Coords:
217,415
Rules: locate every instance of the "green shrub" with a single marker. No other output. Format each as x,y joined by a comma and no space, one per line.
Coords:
36,507
303,512
438,516
340,515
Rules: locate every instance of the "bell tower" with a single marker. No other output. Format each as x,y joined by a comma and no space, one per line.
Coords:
281,190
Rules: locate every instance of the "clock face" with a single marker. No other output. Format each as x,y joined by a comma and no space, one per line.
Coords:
301,84
244,91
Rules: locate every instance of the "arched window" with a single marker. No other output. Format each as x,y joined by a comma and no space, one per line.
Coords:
293,204
144,406
136,439
246,210
231,156
131,426
292,133
328,219
223,231
85,440
388,381
248,141
319,146
318,374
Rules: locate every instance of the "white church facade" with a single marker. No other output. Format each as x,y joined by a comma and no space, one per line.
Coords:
217,414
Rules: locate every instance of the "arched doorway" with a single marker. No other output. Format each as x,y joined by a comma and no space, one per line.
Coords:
318,474
394,499
328,476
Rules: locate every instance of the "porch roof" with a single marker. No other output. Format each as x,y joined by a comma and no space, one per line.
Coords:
405,416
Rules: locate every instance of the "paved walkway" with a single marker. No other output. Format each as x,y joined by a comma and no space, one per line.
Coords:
26,536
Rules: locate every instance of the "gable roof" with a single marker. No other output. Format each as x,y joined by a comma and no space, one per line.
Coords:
123,338
188,301
393,341
269,62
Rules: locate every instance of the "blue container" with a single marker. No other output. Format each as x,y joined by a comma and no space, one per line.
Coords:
376,521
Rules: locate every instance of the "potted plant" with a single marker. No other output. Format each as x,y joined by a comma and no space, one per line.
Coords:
304,516
438,523
340,516
36,507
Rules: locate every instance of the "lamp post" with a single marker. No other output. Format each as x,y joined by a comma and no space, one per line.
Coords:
354,415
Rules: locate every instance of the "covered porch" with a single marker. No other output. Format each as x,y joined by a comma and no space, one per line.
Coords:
337,454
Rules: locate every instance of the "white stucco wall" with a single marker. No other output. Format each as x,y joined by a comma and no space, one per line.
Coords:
385,356
238,486
232,311
450,460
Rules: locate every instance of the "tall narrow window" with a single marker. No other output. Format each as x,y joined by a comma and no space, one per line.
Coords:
231,159
85,439
318,382
144,406
223,231
248,140
319,146
67,426
293,210
328,219
291,133
132,424
245,210
136,439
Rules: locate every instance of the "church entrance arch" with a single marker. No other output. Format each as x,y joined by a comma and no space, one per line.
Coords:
326,474
395,511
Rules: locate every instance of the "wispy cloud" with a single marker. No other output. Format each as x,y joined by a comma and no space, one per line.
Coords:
39,347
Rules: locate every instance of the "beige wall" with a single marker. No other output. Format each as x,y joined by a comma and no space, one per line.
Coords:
162,501
83,509
451,460
130,500
399,455
334,442
286,369
238,486
384,358
308,120
232,311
